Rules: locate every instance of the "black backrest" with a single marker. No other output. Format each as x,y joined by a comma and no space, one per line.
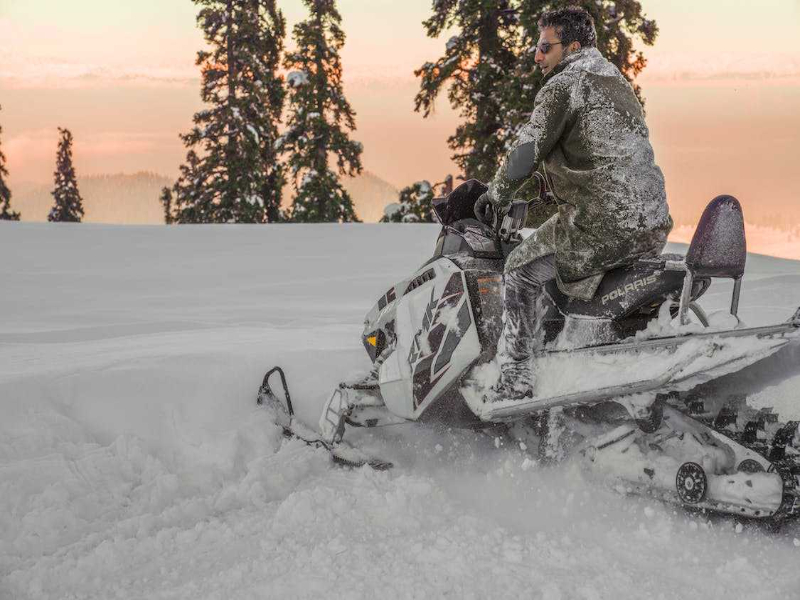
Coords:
718,248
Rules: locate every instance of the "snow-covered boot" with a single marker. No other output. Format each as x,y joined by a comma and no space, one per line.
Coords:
522,330
516,380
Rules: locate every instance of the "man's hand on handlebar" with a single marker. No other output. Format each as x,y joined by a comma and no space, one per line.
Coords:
484,210
508,222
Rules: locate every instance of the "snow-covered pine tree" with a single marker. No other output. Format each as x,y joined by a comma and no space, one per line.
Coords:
477,62
6,214
68,205
490,66
320,119
618,24
232,173
414,205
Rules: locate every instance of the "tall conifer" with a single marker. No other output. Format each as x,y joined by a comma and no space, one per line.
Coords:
414,205
490,69
6,214
617,22
319,119
68,205
477,61
166,202
231,172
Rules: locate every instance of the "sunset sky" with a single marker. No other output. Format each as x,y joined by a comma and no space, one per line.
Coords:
722,89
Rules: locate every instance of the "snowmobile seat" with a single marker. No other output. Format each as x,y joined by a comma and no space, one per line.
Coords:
635,290
717,249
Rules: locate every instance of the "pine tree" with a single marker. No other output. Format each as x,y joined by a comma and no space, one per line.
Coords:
489,65
617,23
319,119
415,205
166,202
476,64
232,172
6,214
68,205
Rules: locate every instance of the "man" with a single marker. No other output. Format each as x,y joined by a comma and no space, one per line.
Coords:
588,136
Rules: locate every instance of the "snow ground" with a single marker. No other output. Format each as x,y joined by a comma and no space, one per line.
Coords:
135,464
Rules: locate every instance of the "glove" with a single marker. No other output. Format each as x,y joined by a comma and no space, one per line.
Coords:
484,211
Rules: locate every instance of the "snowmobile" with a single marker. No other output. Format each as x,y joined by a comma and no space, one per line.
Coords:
614,380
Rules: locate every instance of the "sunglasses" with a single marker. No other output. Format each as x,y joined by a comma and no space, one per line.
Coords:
545,47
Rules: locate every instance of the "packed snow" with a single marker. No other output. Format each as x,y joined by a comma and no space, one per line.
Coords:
134,462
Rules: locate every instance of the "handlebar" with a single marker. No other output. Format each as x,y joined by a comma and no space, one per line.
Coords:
517,213
513,220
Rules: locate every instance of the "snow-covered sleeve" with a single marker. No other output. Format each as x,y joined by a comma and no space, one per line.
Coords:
535,140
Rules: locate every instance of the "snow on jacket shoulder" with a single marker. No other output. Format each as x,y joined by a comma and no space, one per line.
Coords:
588,130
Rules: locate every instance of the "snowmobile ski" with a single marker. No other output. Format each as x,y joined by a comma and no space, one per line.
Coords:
341,452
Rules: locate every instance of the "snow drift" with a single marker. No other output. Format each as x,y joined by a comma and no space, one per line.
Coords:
134,462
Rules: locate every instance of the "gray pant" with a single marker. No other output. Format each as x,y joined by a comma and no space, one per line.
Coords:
523,292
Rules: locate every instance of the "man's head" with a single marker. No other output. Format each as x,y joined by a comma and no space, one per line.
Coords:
562,32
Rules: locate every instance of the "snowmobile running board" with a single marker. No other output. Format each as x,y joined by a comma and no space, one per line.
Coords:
509,411
673,342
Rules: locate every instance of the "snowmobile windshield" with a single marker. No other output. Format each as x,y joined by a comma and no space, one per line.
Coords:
460,203
467,236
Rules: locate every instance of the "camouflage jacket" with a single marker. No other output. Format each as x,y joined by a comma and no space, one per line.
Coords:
587,134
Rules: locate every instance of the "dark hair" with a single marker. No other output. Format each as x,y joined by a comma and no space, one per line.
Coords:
573,24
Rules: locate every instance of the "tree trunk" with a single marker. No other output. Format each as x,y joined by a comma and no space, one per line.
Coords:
321,88
229,196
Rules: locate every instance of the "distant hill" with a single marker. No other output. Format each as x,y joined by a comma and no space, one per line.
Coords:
370,194
133,199
106,198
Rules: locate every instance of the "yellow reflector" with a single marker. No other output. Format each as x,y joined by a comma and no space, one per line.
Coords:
373,340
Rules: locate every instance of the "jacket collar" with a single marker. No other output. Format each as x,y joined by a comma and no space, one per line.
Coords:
582,54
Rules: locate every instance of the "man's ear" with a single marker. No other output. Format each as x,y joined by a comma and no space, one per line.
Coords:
574,46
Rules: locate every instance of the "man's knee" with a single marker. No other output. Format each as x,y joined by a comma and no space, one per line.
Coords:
533,274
